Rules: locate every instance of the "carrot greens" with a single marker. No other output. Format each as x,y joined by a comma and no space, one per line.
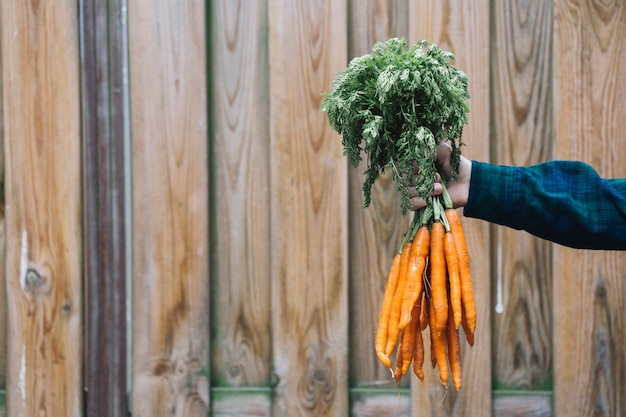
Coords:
396,105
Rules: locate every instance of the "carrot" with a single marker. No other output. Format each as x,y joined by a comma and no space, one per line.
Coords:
383,320
438,348
469,335
409,339
438,278
454,352
399,360
396,303
418,348
424,310
452,262
419,252
467,293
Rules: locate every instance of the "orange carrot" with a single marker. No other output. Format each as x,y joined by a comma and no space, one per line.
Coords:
452,262
424,310
396,303
418,347
409,339
469,335
419,252
383,320
438,278
467,293
438,348
399,360
454,352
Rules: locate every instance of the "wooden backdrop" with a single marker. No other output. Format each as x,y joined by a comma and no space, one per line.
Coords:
180,234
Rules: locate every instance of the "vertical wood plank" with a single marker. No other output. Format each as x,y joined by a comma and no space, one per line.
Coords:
241,348
307,47
168,102
522,134
590,294
462,27
104,207
3,294
375,232
40,77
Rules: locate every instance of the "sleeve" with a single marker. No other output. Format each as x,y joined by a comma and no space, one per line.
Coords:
566,202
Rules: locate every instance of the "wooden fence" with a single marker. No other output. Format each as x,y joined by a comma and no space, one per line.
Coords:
182,236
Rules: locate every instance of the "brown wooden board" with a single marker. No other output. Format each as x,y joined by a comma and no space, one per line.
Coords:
241,348
168,104
105,178
309,225
589,287
377,231
463,30
41,93
522,135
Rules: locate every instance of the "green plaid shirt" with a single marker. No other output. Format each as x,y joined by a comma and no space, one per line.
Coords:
562,201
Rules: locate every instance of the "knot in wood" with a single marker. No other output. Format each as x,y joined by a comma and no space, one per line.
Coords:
35,283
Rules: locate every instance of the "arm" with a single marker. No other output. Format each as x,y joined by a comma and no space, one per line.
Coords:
562,201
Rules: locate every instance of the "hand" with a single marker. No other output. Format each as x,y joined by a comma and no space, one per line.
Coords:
459,189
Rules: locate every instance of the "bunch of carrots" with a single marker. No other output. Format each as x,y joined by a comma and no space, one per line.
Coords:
429,286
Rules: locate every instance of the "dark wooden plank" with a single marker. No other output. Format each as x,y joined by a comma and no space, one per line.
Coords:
309,195
105,216
522,132
241,348
375,232
41,110
589,290
461,27
171,305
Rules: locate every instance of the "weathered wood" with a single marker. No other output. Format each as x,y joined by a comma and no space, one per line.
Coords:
3,299
241,402
309,195
522,135
105,221
590,293
241,347
41,96
518,404
375,232
462,30
170,208
378,402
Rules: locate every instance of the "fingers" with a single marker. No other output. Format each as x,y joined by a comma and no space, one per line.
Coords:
419,202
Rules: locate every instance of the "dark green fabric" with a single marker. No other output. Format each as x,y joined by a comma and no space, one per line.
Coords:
566,202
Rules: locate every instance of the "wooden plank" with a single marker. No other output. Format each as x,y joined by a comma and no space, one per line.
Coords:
522,132
522,404
460,27
105,214
241,402
41,96
309,195
3,296
590,118
170,207
241,351
376,232
377,402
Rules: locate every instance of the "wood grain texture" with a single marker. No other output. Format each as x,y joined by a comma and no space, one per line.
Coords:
170,208
590,293
522,135
462,28
105,178
528,404
40,77
3,286
376,232
309,195
241,348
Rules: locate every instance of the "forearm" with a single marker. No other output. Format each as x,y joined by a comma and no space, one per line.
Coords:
562,201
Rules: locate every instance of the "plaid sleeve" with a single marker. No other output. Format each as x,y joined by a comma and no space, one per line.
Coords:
566,202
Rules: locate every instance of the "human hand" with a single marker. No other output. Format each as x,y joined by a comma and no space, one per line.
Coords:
458,189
